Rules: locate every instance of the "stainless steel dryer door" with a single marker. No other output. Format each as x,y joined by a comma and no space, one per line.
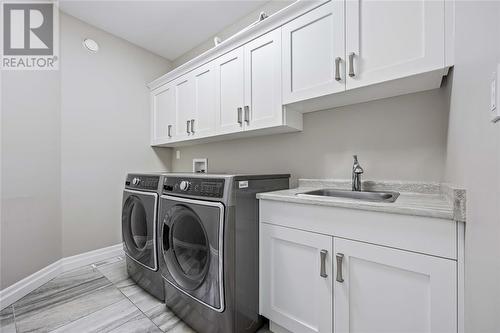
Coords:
192,248
139,211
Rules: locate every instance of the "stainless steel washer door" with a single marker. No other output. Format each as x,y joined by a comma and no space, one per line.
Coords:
139,210
192,248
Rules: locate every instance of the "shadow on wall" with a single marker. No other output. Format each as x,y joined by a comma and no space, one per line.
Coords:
164,155
398,138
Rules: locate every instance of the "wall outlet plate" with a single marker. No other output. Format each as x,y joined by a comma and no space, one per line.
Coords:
200,165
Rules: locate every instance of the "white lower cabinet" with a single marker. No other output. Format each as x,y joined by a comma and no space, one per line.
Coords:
306,286
380,289
296,279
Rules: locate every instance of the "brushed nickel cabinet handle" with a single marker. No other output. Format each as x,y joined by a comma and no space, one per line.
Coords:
337,69
351,64
240,115
187,126
169,131
322,270
247,114
192,126
340,258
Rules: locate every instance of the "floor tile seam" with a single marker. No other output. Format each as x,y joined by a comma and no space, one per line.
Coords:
87,315
144,313
137,316
14,316
66,288
108,264
69,299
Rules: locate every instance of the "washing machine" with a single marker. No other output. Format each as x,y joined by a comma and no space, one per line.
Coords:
139,231
209,248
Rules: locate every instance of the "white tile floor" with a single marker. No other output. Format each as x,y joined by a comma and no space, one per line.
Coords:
100,299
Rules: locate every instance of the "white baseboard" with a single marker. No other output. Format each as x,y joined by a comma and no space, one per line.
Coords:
91,257
21,288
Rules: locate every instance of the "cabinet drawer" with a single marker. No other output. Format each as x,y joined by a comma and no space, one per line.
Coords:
427,235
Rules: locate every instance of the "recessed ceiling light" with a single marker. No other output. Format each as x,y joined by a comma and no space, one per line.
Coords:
91,45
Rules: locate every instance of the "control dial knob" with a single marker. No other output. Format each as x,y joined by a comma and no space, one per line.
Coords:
136,181
184,186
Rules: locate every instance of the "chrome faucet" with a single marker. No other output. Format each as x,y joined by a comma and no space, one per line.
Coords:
357,170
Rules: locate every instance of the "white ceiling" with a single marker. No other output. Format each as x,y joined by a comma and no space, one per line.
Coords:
167,28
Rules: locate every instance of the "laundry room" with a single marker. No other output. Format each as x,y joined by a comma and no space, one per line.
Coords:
250,166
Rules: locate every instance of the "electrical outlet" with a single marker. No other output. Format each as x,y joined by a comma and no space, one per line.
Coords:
494,95
178,154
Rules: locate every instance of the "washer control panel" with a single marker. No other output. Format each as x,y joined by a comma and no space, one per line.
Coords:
142,182
204,187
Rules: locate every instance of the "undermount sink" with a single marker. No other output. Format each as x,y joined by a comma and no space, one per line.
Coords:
374,196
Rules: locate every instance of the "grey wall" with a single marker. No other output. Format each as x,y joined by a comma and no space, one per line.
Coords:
473,157
105,132
396,138
30,226
68,138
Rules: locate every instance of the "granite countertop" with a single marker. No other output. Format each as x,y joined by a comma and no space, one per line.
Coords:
439,200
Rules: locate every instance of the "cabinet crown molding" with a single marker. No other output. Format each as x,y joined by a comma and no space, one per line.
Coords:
274,21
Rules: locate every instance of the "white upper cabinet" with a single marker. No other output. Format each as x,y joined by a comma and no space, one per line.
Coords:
313,53
387,40
296,279
263,104
379,289
229,83
163,119
184,106
203,122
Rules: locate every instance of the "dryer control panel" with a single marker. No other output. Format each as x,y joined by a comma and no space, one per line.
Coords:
142,182
203,187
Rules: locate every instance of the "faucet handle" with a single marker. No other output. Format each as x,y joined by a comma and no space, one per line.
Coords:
358,170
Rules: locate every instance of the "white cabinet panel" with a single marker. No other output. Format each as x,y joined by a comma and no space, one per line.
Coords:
184,106
390,290
205,101
292,292
163,117
393,39
311,43
230,91
263,104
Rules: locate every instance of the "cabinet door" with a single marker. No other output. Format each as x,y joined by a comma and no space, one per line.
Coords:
263,103
393,39
311,44
184,106
230,92
163,118
293,293
389,290
205,101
